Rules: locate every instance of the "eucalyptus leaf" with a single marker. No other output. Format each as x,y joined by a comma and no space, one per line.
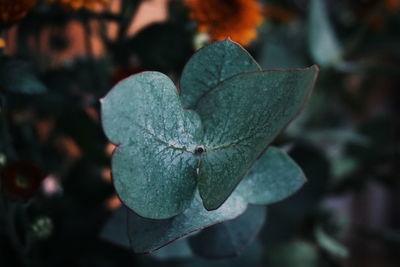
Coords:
252,189
324,46
229,238
148,235
241,117
274,177
164,152
210,66
329,244
115,229
177,250
154,169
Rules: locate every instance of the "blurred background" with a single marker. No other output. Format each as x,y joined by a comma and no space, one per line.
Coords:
59,57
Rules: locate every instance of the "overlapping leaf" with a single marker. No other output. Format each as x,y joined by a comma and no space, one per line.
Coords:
261,186
154,168
210,66
165,152
323,44
147,235
230,238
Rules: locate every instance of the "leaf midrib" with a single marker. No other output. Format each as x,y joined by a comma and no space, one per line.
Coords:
156,138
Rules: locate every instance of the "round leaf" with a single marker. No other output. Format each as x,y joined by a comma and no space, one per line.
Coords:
154,166
210,66
240,118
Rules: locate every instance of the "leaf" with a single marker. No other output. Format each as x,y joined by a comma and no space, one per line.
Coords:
115,229
148,235
154,169
210,66
329,244
164,152
161,232
240,118
274,177
177,250
324,47
228,239
15,77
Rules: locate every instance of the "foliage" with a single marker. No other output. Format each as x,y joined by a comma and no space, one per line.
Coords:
58,204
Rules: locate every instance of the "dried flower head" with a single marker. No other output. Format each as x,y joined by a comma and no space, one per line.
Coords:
11,11
237,19
79,4
22,179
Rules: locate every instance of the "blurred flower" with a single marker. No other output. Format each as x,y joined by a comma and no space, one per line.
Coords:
79,4
2,43
11,11
22,179
51,186
113,203
237,19
42,227
392,5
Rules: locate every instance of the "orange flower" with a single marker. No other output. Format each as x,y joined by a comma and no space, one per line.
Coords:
11,11
392,5
79,4
237,19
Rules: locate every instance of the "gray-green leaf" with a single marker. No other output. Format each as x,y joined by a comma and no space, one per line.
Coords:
148,235
210,66
165,152
274,177
240,118
324,46
154,169
230,238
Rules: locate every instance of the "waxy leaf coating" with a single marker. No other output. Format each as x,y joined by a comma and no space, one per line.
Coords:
229,239
274,176
148,235
154,168
210,66
240,118
165,152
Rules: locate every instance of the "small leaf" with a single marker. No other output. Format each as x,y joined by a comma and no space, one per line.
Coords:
324,47
329,244
148,235
154,168
274,177
115,229
15,77
229,238
240,118
210,66
177,250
